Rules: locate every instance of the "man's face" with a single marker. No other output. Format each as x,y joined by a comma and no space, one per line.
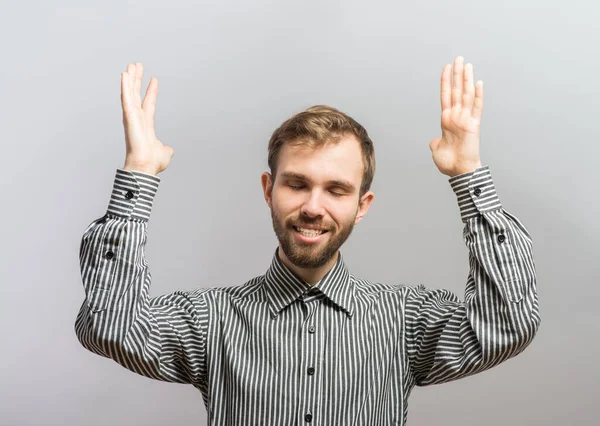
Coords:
316,188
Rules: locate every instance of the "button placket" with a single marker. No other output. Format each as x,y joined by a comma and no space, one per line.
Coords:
309,355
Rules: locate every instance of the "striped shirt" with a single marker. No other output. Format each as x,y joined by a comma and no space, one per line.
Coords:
276,351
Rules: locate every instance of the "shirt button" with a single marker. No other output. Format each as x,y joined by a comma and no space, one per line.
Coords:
310,371
311,329
129,195
109,254
477,191
501,238
308,417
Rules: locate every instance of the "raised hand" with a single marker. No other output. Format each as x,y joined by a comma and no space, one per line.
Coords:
457,151
145,153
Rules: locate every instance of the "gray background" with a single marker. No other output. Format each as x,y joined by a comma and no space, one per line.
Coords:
230,72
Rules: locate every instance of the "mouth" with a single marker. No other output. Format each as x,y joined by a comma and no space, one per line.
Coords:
309,235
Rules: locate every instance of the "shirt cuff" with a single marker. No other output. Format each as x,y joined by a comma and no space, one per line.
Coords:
133,195
476,193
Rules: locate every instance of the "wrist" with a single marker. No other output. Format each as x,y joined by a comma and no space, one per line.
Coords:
140,169
464,170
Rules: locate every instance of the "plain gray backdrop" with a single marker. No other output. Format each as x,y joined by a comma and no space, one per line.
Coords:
230,72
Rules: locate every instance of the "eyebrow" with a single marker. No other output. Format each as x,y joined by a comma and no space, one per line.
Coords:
341,183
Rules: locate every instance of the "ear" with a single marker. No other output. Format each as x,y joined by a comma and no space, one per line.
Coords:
267,186
364,205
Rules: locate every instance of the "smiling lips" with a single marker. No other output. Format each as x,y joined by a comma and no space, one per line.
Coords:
310,232
309,235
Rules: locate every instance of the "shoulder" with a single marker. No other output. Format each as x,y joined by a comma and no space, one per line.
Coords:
249,290
376,290
369,289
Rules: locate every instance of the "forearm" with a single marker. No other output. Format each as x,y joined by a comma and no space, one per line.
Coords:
501,289
500,297
118,319
450,339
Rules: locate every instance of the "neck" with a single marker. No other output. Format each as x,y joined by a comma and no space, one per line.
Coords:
310,275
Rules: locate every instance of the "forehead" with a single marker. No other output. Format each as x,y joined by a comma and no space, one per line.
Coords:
333,160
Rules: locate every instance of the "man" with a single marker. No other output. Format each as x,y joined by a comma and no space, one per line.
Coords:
307,342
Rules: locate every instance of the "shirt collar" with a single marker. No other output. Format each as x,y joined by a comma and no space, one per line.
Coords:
283,286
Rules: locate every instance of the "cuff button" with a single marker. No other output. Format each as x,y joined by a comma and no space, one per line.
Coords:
129,195
477,192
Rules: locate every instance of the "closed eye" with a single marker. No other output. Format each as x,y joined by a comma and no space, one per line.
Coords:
298,188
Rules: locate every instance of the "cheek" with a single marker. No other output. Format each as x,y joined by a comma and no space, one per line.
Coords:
282,203
345,215
340,216
283,209
286,203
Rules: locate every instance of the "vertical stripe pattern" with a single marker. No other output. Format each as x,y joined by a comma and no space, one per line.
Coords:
276,351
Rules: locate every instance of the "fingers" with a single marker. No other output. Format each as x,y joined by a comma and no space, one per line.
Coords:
461,92
131,78
477,111
131,85
445,89
468,87
149,105
125,92
137,96
457,81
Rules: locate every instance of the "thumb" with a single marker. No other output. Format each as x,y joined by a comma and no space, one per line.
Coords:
167,154
434,144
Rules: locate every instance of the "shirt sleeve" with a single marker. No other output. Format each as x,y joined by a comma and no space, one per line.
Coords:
163,337
448,339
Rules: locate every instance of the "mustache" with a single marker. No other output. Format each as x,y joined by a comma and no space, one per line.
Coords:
314,224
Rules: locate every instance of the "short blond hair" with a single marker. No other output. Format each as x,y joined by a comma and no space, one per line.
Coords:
316,126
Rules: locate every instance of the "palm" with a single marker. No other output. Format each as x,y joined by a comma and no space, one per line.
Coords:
138,127
144,150
457,151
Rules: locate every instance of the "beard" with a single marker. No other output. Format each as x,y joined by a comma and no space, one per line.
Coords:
309,256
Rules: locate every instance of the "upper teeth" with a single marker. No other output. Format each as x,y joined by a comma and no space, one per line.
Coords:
310,232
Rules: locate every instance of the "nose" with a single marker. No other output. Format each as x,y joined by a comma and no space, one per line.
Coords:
313,206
